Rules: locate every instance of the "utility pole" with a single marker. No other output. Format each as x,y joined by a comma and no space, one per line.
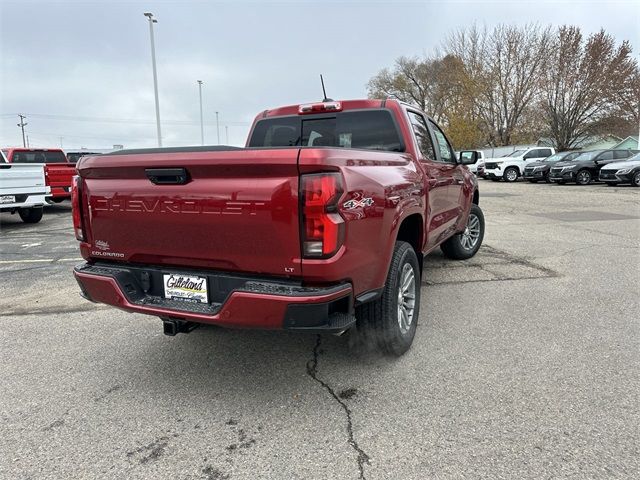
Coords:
226,129
27,141
155,75
218,128
61,142
201,120
22,125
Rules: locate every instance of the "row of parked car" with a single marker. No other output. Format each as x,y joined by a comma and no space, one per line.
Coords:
33,177
544,164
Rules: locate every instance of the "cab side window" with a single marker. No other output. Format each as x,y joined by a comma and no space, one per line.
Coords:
422,135
446,152
608,155
622,153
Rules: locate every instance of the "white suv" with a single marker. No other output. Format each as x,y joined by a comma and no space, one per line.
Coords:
511,166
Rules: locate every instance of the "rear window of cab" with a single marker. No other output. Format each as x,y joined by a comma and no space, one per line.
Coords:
38,156
363,129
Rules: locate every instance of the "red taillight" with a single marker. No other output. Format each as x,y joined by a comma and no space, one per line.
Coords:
322,225
76,205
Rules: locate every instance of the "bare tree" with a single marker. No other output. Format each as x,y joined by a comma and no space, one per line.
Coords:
439,87
627,100
412,80
586,81
505,65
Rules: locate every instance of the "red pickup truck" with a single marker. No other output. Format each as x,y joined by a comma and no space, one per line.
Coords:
319,224
58,171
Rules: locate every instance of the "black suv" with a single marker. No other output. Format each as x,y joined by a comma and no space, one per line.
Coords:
585,167
540,170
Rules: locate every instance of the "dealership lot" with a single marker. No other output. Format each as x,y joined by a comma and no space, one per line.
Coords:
525,365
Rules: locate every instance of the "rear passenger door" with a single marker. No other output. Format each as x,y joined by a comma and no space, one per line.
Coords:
452,169
438,179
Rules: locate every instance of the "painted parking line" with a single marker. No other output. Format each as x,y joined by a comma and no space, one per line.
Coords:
40,260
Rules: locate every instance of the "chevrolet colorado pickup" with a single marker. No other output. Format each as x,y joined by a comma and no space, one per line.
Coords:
511,166
319,224
23,190
58,171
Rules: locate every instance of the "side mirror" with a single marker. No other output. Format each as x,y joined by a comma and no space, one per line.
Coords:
468,157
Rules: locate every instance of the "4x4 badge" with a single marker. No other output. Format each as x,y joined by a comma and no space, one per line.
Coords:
353,203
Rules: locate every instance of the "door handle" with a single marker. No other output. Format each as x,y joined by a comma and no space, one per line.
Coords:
167,176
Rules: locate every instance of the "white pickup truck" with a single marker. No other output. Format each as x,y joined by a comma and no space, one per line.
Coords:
23,190
511,167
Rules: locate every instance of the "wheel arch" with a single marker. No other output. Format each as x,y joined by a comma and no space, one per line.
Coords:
411,230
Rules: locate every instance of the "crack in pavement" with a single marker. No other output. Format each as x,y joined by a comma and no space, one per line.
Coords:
312,371
56,311
497,253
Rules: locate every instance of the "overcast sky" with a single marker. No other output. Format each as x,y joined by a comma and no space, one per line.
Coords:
81,70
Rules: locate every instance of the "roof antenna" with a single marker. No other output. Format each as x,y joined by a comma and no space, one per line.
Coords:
324,92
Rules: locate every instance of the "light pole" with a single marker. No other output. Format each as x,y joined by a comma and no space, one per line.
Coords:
201,121
226,129
22,125
155,75
218,128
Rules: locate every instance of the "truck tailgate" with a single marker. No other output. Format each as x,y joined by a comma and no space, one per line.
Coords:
238,210
60,174
22,178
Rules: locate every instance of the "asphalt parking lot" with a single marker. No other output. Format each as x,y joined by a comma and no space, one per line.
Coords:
525,365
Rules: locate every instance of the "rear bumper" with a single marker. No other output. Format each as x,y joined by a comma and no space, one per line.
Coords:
25,200
238,302
61,192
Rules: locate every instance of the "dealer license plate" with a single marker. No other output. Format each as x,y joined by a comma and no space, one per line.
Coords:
7,199
186,287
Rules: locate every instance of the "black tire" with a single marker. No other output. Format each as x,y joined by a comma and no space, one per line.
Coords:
31,215
457,247
379,320
561,182
511,174
635,181
547,179
583,177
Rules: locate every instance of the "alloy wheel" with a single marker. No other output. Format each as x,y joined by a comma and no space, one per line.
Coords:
406,298
471,233
583,177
